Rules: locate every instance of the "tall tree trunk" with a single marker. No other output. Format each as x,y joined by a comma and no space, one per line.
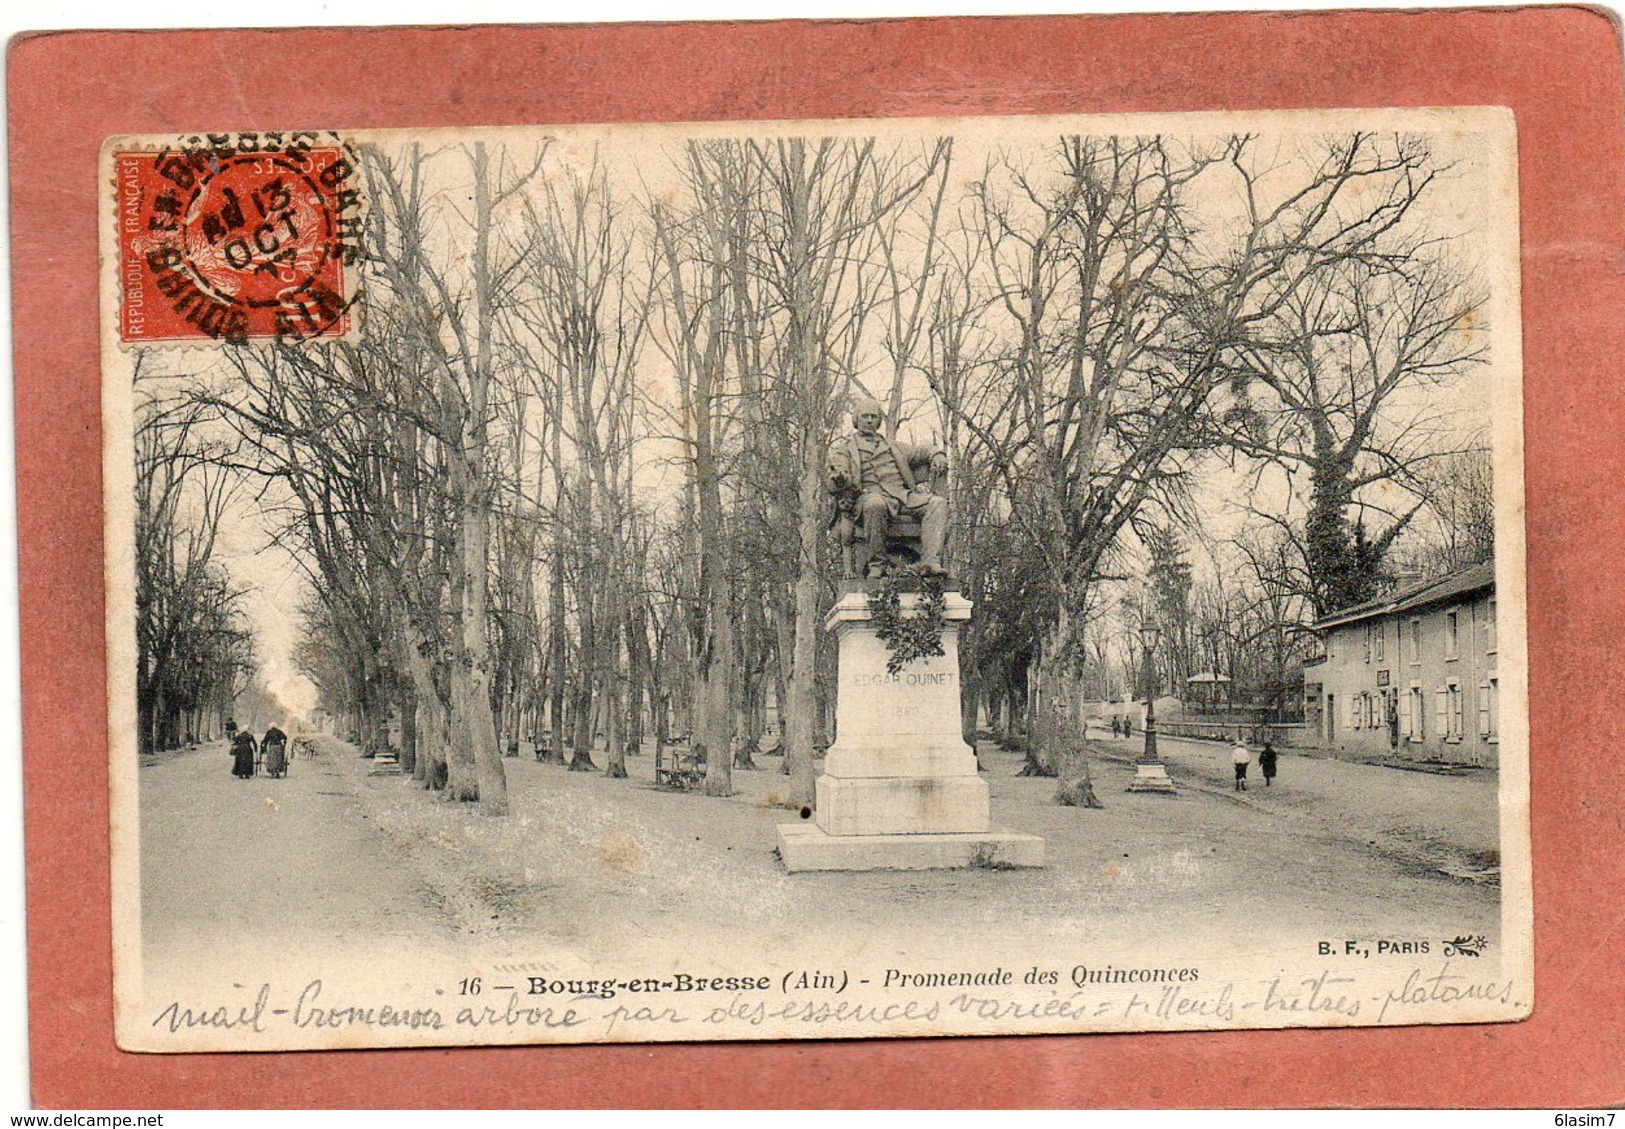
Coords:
716,586
146,722
408,707
719,686
462,775
431,767
614,749
581,739
557,655
1055,738
475,525
749,723
801,729
784,634
640,682
970,693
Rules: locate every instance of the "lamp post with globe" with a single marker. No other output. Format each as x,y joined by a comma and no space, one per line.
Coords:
1149,773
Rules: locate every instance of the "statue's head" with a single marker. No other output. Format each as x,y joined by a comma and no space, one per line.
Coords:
867,414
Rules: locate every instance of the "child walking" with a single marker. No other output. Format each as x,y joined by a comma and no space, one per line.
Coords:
1241,757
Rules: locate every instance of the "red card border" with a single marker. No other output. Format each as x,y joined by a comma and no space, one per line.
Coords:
1557,68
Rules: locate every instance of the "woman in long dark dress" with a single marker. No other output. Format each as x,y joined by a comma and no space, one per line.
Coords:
1266,763
242,754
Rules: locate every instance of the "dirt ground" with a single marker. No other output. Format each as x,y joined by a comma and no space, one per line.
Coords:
1416,817
586,866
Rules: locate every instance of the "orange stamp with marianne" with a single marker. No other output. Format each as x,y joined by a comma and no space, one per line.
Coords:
236,237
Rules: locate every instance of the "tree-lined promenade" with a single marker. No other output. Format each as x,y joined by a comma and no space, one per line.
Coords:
569,482
352,868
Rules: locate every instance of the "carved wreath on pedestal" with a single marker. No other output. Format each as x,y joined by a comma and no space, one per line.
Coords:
916,635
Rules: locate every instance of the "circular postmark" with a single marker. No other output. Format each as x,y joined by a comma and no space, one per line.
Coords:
234,239
258,231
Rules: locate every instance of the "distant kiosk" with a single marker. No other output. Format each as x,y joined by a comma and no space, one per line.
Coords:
900,789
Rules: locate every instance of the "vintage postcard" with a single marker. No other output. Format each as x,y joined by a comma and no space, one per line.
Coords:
815,579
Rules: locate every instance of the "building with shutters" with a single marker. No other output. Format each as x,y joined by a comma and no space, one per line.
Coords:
1412,675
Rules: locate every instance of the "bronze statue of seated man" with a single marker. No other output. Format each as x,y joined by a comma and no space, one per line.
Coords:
887,507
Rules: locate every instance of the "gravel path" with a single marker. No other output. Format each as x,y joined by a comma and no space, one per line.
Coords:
1449,823
267,866
586,867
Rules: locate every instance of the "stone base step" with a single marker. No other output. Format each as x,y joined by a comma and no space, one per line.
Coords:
806,846
1152,778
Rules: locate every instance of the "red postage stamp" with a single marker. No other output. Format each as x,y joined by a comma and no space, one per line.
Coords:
237,237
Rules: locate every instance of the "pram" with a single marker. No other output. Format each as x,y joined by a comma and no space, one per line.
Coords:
274,757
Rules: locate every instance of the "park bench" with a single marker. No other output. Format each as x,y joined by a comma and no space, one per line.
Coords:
679,765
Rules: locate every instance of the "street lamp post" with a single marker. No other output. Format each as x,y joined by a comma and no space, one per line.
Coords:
1149,773
1149,636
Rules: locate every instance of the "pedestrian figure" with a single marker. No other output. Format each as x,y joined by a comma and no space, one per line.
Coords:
1266,763
1241,757
1117,727
275,748
1128,727
242,754
231,728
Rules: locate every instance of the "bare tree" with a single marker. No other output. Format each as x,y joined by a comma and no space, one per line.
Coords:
1121,316
191,644
585,314
695,318
384,447
826,205
1092,395
1457,528
1325,385
456,315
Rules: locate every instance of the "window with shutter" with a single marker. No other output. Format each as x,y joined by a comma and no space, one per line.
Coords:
1441,712
1405,714
1485,729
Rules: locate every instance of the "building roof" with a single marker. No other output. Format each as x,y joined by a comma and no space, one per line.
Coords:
1466,582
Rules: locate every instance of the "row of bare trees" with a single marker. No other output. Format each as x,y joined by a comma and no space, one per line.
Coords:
194,649
568,484
1134,334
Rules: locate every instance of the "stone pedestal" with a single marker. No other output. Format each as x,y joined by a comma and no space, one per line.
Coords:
900,789
1151,778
